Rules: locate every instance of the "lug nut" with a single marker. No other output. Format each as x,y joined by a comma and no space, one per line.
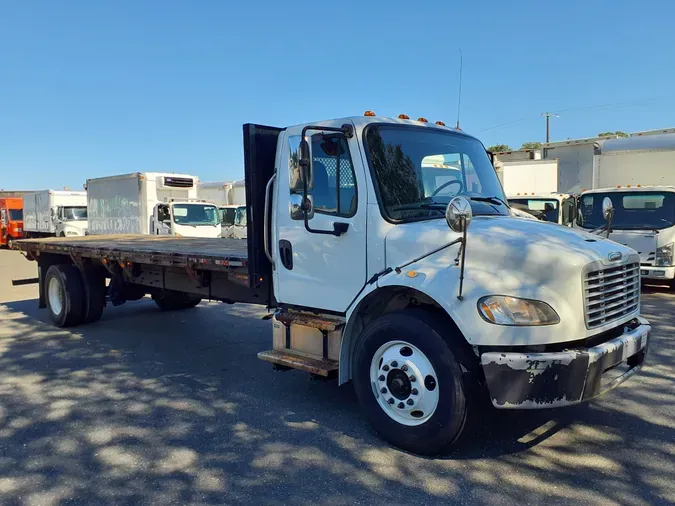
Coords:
385,367
412,379
394,364
391,401
414,391
401,405
381,378
410,402
404,368
383,390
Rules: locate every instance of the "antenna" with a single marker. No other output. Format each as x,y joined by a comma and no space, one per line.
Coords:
459,94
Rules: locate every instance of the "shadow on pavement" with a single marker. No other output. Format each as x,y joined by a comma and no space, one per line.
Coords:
175,408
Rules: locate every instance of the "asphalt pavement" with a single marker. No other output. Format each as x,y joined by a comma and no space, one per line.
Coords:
158,408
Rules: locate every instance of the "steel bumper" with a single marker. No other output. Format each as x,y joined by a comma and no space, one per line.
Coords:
549,380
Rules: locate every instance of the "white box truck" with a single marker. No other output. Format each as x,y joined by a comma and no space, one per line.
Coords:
150,203
60,213
230,197
413,282
638,175
528,176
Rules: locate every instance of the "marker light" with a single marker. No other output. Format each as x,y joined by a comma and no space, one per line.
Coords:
639,186
369,113
618,186
403,116
423,120
440,123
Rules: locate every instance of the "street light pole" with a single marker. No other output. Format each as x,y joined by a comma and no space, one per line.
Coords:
548,115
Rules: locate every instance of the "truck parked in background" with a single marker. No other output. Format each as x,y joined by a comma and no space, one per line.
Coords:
529,176
150,203
60,213
392,261
638,175
557,208
230,197
11,220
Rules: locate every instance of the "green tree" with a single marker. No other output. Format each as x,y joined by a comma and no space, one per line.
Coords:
498,148
531,145
618,133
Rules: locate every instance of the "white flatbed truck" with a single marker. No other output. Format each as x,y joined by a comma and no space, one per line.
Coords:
414,282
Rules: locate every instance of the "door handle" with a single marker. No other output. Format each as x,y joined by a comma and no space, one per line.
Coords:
286,254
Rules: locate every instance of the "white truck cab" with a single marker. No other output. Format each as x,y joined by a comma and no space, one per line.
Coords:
234,224
186,218
557,208
644,220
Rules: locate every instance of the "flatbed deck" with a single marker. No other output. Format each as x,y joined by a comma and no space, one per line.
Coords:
211,253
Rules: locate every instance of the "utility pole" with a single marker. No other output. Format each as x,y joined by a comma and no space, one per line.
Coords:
548,115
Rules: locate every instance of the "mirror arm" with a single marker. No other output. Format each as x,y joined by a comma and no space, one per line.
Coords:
461,268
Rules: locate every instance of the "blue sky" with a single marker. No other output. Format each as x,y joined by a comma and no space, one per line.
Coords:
100,88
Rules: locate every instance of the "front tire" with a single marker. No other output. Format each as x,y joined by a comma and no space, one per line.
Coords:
10,243
65,295
409,382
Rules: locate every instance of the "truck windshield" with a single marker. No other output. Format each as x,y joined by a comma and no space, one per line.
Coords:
543,209
240,217
419,170
195,214
632,210
73,213
16,214
227,215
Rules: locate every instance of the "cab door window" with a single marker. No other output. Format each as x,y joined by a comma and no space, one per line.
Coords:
334,189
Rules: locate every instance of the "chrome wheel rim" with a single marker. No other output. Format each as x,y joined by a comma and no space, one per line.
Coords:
404,383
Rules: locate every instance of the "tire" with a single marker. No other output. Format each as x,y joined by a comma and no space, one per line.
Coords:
95,292
414,339
10,243
169,300
65,295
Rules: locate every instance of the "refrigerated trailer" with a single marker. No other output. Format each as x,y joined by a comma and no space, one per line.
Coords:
150,203
412,281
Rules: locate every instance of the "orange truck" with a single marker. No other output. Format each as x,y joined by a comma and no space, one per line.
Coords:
11,220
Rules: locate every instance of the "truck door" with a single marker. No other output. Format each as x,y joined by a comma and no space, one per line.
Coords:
161,220
313,267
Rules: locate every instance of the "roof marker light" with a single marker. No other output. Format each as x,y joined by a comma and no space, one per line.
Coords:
369,113
403,116
423,120
440,123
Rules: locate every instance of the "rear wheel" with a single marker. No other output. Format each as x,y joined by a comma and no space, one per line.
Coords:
65,295
94,291
169,300
409,382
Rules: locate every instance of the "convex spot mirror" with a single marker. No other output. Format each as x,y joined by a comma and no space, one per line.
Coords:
458,214
296,208
607,209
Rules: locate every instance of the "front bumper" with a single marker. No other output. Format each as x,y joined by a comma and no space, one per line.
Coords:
550,380
649,272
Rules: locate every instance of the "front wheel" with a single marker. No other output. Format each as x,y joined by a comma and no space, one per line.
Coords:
10,243
409,382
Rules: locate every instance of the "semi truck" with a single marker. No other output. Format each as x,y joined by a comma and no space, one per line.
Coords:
636,174
151,203
60,213
11,220
415,283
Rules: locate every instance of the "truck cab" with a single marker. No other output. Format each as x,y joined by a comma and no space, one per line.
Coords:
70,220
11,220
644,220
186,218
557,208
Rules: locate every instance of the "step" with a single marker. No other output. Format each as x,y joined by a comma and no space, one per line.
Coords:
325,368
323,322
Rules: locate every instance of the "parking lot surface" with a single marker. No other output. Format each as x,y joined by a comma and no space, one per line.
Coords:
158,408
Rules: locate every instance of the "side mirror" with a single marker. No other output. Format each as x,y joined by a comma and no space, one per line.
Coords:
54,212
607,209
296,208
306,164
458,214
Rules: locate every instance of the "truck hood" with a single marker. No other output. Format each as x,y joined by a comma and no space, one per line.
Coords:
506,256
644,242
197,231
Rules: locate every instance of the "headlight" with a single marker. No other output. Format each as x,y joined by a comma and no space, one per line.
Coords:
664,255
71,232
504,310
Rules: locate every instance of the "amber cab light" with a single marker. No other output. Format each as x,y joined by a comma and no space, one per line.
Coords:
369,113
423,120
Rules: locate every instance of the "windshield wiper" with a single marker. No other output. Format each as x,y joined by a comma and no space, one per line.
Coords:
489,200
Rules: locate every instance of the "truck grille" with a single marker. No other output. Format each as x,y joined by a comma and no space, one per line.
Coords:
611,293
